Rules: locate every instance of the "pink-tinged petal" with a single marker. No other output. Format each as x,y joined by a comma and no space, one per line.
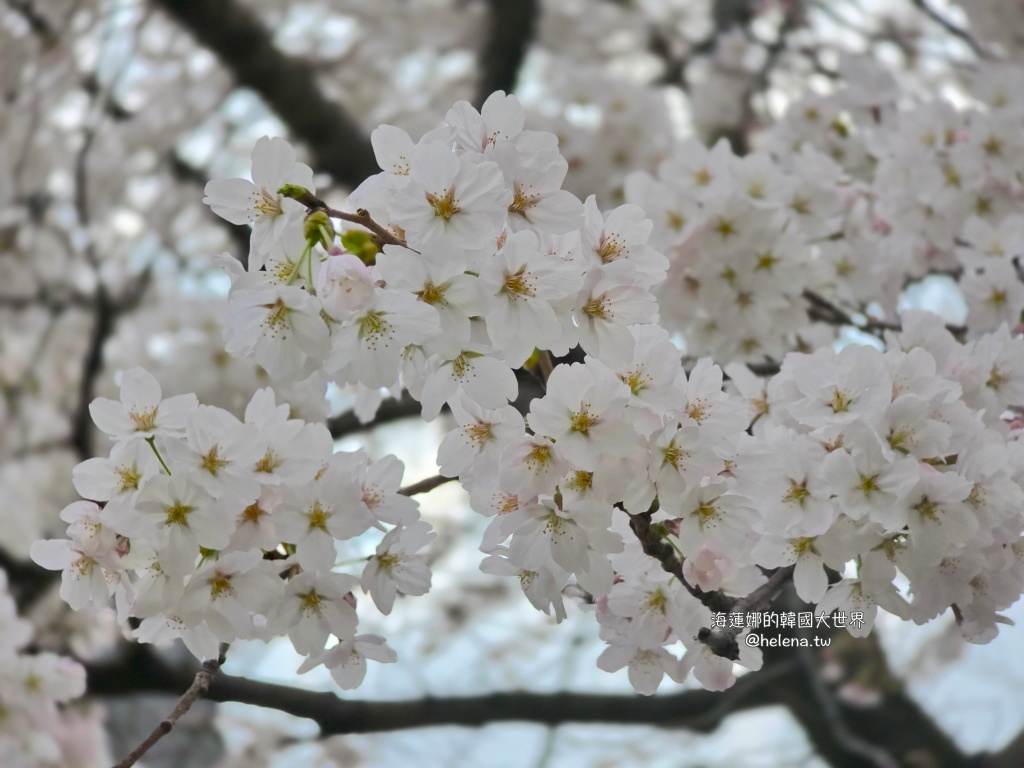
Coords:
558,213
94,479
373,647
53,554
615,657
393,149
713,672
175,411
111,417
308,636
810,579
383,591
231,199
140,391
434,168
351,673
645,673
272,159
178,556
202,643
504,115
79,510
316,551
83,585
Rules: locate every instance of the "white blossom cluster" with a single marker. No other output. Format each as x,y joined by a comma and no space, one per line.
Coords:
897,472
36,731
853,196
215,529
739,232
927,188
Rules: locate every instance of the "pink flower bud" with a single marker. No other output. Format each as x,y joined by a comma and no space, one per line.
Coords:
344,284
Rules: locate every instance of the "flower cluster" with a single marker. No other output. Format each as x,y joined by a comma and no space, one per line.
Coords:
215,529
740,233
35,731
929,188
877,479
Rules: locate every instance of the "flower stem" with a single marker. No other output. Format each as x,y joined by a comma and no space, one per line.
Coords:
298,265
152,444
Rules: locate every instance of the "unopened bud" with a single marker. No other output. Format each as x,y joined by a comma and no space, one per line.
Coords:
361,244
317,228
301,194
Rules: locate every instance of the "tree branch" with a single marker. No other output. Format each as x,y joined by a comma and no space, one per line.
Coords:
962,34
698,710
244,45
424,486
511,28
404,407
362,218
199,687
830,710
896,723
823,310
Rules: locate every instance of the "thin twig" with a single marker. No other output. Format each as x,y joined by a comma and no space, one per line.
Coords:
423,486
362,217
200,685
950,27
825,311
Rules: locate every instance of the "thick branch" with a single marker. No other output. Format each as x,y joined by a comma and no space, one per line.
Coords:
511,29
1010,756
700,711
245,47
655,546
896,724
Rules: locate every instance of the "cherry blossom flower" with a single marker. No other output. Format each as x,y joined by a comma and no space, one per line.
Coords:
347,659
142,411
396,568
450,200
259,201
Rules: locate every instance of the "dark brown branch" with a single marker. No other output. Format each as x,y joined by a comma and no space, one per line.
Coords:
897,723
511,28
654,545
823,310
842,731
390,410
199,687
700,711
362,218
832,712
1010,756
961,34
406,407
722,641
245,46
425,486
104,316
